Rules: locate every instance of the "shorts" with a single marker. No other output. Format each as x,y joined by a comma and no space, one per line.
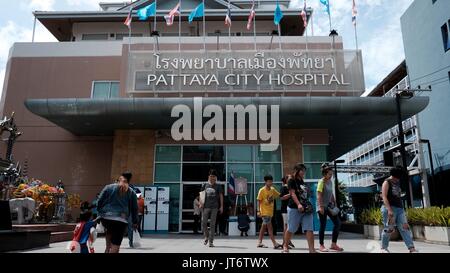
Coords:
285,217
295,218
115,229
266,220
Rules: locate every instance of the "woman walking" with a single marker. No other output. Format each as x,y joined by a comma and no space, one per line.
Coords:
326,203
117,202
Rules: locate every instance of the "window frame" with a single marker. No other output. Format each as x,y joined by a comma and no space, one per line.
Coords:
110,88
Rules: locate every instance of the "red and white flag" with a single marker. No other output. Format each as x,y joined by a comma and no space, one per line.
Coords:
129,19
303,15
251,16
170,17
354,13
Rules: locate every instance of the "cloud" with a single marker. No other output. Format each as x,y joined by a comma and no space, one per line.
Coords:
11,33
41,4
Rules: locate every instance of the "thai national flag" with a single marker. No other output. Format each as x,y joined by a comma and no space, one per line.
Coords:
251,16
303,15
354,13
170,17
228,18
231,184
129,19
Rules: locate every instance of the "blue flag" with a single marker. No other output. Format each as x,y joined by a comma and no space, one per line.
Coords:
197,12
147,11
278,15
327,5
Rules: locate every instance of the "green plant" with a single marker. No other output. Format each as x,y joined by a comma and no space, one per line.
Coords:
371,216
432,216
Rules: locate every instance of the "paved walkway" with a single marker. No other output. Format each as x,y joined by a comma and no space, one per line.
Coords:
175,243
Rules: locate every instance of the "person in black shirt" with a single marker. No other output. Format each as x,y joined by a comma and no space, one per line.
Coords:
285,196
393,212
300,209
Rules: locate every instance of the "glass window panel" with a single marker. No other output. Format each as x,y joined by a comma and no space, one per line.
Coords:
241,153
207,153
315,153
168,153
241,170
262,156
94,37
167,172
313,171
263,169
115,87
101,90
198,172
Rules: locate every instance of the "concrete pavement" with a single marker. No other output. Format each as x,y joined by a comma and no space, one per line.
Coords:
181,243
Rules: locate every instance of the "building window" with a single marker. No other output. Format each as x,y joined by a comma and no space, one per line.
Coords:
105,89
313,157
95,37
445,38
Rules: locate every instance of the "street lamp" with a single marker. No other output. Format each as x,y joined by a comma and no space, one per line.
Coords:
405,94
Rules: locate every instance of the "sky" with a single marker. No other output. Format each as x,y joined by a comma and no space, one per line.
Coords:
379,31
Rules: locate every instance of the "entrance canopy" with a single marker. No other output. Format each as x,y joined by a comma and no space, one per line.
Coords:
350,120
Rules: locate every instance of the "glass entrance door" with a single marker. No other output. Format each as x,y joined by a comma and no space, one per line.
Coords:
190,191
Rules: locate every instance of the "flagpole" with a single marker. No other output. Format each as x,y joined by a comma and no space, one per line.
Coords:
356,35
229,28
154,24
179,28
129,32
254,30
312,23
204,24
329,16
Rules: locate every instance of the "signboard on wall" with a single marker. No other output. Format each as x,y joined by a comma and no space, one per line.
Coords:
242,71
241,186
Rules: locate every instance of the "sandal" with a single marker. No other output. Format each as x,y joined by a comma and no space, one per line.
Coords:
261,246
278,246
285,250
337,248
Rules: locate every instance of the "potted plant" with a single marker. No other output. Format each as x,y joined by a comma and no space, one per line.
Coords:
416,221
437,225
372,220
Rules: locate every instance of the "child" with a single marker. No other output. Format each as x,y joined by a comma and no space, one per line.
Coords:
243,221
84,234
266,197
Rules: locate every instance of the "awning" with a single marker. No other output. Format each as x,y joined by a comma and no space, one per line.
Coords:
350,120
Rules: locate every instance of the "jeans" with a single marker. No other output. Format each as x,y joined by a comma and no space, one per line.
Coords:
399,220
209,214
323,223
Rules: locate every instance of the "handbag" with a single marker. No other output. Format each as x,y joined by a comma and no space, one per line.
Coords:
202,197
333,210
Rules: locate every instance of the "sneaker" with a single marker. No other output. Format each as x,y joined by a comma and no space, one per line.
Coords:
291,245
246,234
385,250
413,250
211,244
322,248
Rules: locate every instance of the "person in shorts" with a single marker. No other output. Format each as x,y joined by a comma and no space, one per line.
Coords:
300,209
266,198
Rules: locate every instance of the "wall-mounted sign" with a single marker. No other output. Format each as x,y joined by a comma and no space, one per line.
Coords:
291,71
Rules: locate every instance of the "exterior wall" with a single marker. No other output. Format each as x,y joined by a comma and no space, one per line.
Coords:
134,151
427,64
52,153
